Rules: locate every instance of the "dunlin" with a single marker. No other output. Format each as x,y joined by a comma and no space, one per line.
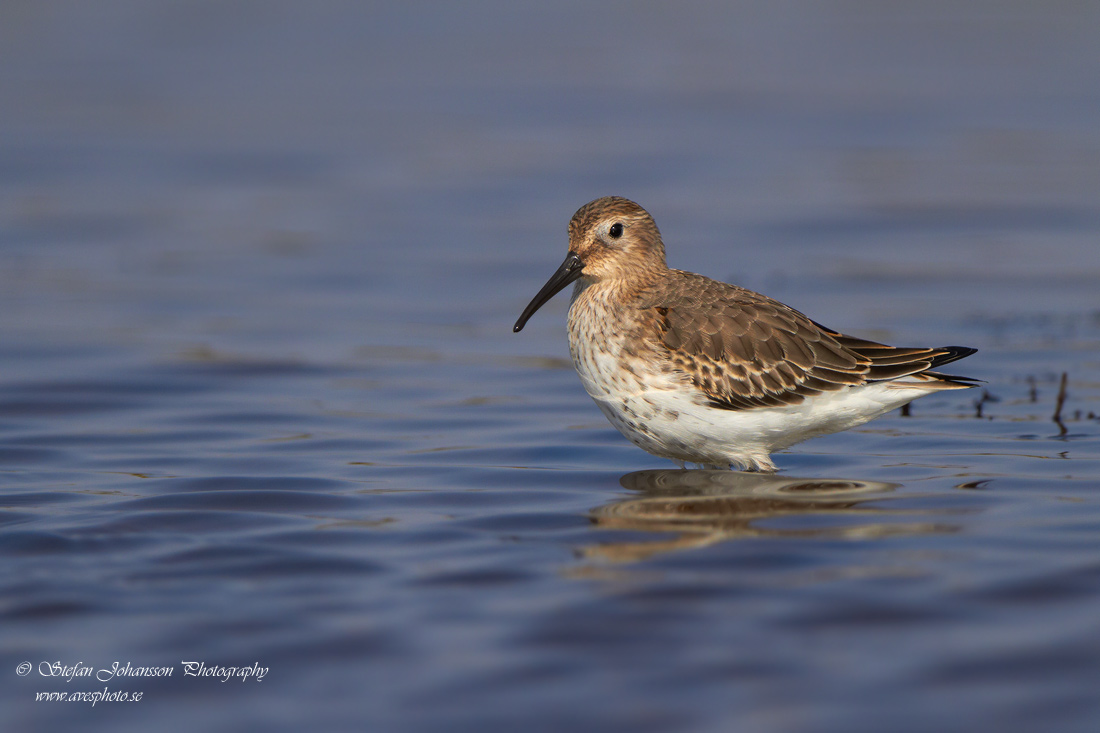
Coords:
703,372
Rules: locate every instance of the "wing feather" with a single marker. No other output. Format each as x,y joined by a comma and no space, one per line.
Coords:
744,350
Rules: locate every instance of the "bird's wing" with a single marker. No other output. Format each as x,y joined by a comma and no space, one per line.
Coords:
745,350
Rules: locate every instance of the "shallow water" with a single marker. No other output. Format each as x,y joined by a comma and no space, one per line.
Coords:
260,402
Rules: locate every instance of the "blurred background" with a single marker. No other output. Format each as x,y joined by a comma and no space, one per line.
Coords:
156,154
260,399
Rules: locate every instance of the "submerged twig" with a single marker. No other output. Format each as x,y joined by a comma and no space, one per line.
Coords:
1057,418
979,404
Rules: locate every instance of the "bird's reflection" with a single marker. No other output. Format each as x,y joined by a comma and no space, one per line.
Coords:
699,508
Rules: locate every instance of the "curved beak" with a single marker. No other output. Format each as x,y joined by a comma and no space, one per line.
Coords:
569,271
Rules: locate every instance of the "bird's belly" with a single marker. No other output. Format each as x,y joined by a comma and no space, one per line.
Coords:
658,409
663,413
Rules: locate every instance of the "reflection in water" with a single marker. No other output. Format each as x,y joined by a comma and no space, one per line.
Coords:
701,508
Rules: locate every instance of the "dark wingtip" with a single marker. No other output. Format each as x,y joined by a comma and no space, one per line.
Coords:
952,353
955,379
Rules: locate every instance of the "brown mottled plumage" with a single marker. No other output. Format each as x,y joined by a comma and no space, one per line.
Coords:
743,349
700,371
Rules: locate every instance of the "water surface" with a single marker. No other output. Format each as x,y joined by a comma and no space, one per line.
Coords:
260,402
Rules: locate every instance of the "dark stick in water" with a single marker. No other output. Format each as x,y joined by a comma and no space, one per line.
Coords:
1058,405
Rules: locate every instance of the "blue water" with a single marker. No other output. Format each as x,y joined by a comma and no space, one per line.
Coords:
261,406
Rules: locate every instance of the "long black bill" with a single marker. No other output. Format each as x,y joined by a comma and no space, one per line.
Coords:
569,271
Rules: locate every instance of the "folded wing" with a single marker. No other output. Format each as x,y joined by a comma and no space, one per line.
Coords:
744,350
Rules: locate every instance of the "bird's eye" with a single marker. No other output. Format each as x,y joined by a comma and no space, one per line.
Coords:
616,230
